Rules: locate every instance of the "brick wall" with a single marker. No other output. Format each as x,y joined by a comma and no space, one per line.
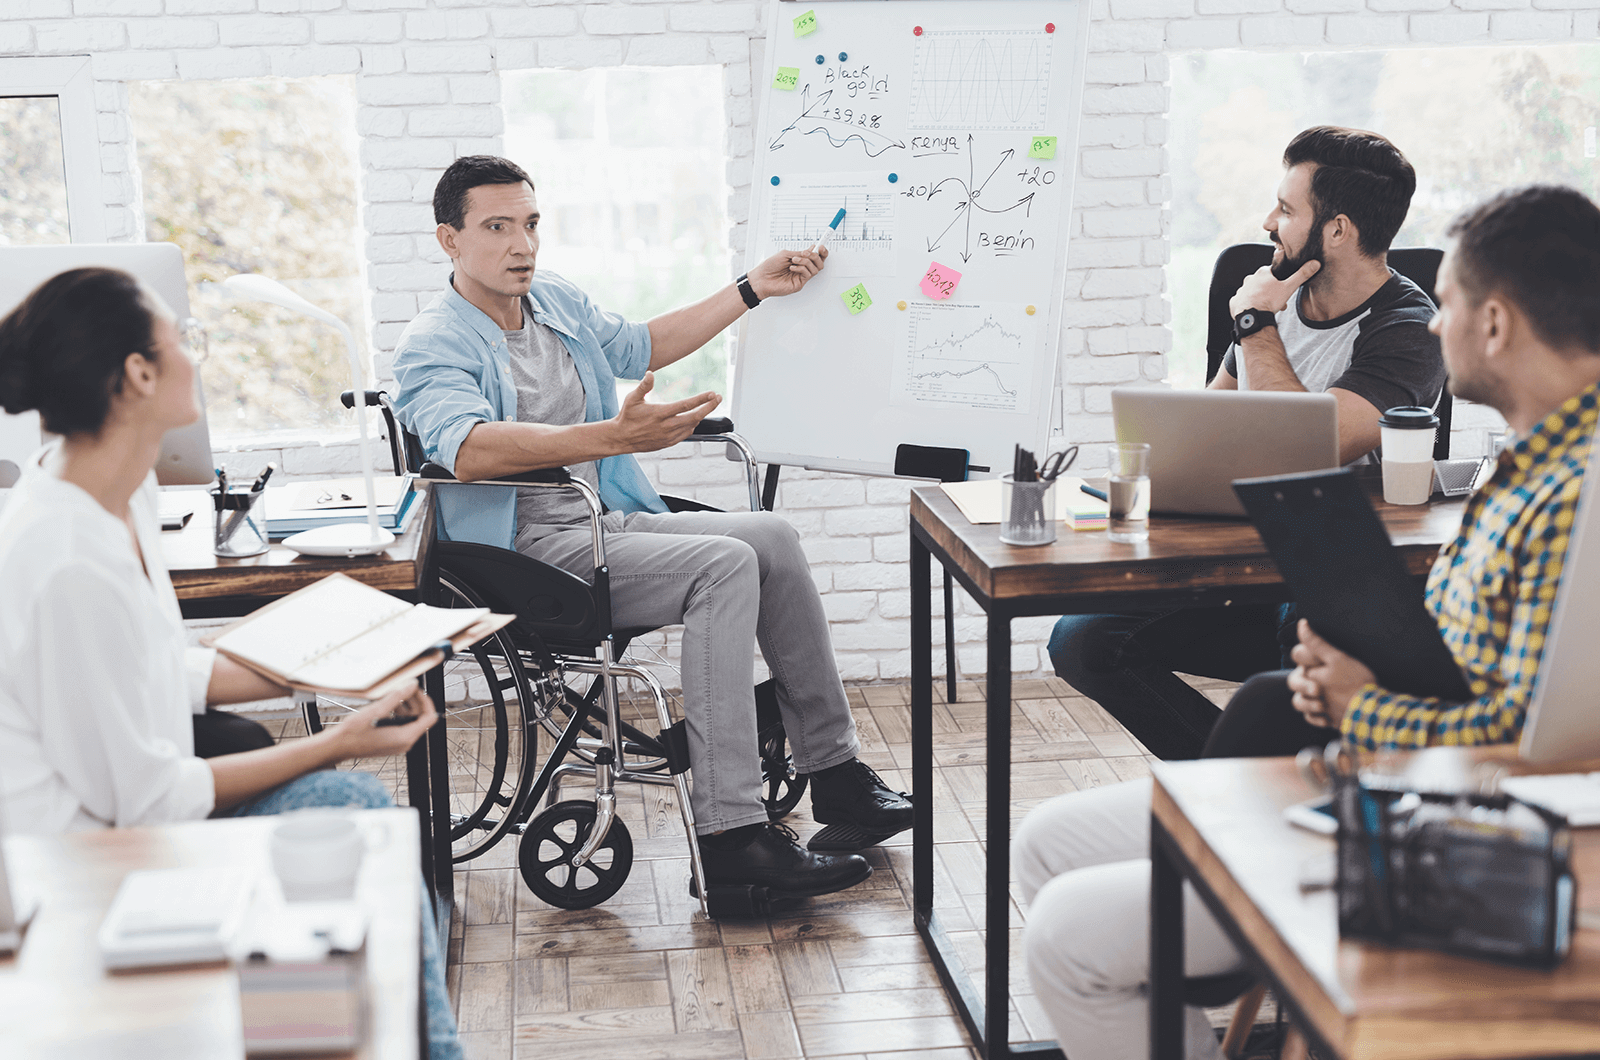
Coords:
428,90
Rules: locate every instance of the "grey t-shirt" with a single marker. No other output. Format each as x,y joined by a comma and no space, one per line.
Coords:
549,390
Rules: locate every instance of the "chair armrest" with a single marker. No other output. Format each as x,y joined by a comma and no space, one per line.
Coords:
714,425
547,476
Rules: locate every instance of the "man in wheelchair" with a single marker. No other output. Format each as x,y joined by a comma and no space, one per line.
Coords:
511,370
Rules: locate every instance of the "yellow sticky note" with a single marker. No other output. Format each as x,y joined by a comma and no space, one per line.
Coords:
1043,147
805,24
856,298
788,77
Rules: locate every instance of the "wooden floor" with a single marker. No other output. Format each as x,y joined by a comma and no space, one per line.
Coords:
646,976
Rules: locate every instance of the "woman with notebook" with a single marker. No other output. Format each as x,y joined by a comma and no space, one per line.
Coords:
97,682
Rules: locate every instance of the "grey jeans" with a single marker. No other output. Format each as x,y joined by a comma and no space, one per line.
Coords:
733,580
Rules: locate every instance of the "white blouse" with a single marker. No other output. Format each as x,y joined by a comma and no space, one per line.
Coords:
97,683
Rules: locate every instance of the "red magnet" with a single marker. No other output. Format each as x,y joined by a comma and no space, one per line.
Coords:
1049,27
917,30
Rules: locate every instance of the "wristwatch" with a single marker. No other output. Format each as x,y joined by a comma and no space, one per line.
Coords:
747,292
1251,321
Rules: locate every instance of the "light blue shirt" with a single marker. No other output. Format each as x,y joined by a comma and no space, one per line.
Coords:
454,372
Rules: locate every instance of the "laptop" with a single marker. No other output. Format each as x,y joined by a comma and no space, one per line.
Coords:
1201,440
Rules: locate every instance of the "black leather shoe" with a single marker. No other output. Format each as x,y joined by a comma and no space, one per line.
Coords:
852,793
773,858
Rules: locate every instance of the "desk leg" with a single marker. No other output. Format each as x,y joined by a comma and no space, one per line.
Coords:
1166,949
997,854
438,773
949,637
921,732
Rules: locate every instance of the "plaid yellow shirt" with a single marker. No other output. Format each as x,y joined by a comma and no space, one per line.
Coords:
1492,591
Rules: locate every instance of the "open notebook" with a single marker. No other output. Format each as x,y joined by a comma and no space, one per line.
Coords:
341,636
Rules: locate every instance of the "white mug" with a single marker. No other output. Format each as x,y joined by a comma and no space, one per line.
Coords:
316,854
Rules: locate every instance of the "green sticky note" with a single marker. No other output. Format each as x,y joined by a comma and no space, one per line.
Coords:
856,298
1043,146
788,77
805,24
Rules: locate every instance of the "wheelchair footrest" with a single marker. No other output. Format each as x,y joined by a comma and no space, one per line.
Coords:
727,901
844,839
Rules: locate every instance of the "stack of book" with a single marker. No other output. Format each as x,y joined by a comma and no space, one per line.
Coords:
301,506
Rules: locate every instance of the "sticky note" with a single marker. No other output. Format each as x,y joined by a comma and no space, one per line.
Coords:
1043,146
856,298
788,77
939,281
805,24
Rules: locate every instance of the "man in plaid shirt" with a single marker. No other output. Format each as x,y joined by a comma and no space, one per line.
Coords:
1519,321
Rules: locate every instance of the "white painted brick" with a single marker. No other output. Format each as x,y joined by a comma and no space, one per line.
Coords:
264,29
670,50
821,493
740,110
403,91
1149,340
1102,253
478,120
172,33
389,5
1097,399
113,158
1530,25
579,53
858,668
314,61
394,305
1159,251
307,6
387,122
1125,99
1109,193
221,63
134,66
478,145
1153,366
871,521
1114,70
359,29
117,8
387,335
1108,342
1196,33
1110,132
1562,4
1306,30
381,60
889,491
210,7
112,127
1158,309
619,18
1237,7
1122,283
736,79
1115,37
1103,312
713,18
738,140
80,37
1122,10
730,49
1490,5
31,9
385,250
1131,162
441,25
838,550
447,58
1323,7
516,54
1586,25
1449,27
1411,6
109,95
475,89
896,603
697,472
848,607
407,154
892,548
1367,29
534,22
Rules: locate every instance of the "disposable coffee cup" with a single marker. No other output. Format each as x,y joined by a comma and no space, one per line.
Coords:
316,854
1408,432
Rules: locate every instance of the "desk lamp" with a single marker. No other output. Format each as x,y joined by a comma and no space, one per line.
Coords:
340,539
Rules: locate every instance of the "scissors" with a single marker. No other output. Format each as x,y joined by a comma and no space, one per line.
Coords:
1056,463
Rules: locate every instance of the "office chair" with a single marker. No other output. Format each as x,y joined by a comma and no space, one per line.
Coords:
557,667
1420,265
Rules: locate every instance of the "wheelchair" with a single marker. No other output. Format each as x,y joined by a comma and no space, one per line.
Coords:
557,668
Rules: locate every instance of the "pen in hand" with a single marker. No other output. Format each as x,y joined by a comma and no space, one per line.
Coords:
826,232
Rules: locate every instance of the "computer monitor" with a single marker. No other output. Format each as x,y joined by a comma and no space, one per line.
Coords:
185,452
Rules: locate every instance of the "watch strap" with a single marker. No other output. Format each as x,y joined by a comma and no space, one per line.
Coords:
747,292
1251,321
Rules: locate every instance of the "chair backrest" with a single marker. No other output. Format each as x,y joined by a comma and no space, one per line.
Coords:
1420,265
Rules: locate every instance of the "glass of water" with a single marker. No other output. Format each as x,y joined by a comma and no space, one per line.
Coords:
1128,492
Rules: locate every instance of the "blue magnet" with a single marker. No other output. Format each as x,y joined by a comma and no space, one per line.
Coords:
893,177
843,57
774,181
821,60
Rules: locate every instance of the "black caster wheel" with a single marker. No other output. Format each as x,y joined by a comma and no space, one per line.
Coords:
545,857
781,787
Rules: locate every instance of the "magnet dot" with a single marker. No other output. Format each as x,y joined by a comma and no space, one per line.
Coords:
821,60
916,31
893,177
1049,27
774,180
843,57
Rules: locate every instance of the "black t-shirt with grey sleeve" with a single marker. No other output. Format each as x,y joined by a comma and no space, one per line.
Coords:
1381,350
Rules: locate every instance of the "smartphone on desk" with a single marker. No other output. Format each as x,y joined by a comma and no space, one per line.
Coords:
1314,815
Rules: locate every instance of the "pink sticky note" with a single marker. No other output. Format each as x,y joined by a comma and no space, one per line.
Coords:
940,281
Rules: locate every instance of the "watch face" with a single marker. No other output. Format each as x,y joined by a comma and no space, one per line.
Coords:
1247,321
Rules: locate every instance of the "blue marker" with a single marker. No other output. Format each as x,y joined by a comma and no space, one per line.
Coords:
833,227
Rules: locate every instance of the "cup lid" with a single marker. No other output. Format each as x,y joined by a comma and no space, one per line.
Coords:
1409,418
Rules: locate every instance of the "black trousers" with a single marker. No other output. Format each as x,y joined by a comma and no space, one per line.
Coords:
218,733
1260,722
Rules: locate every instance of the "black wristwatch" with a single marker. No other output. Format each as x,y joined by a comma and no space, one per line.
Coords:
1251,321
747,292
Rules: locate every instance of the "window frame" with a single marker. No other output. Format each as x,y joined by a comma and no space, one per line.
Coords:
70,81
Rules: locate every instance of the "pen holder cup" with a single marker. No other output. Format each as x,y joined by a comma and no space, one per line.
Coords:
239,526
1027,511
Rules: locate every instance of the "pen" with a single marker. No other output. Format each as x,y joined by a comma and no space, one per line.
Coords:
261,481
823,238
1098,495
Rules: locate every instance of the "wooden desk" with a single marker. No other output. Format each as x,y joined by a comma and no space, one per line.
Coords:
57,1001
211,587
1219,823
1189,562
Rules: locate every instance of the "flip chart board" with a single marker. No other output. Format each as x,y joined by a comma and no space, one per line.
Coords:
948,131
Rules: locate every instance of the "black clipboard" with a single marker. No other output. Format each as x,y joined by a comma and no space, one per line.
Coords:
1349,582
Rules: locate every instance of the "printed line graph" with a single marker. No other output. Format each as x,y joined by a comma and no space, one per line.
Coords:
980,80
977,356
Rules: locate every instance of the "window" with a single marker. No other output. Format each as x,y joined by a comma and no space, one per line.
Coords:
628,165
1533,112
49,152
260,176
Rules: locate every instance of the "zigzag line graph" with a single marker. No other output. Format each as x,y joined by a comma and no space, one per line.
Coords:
980,79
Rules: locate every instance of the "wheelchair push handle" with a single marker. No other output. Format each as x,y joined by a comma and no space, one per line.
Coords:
348,398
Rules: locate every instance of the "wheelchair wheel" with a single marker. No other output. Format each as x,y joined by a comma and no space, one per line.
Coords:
545,857
781,787
490,746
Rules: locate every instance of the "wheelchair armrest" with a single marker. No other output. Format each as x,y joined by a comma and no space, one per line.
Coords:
714,425
547,476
